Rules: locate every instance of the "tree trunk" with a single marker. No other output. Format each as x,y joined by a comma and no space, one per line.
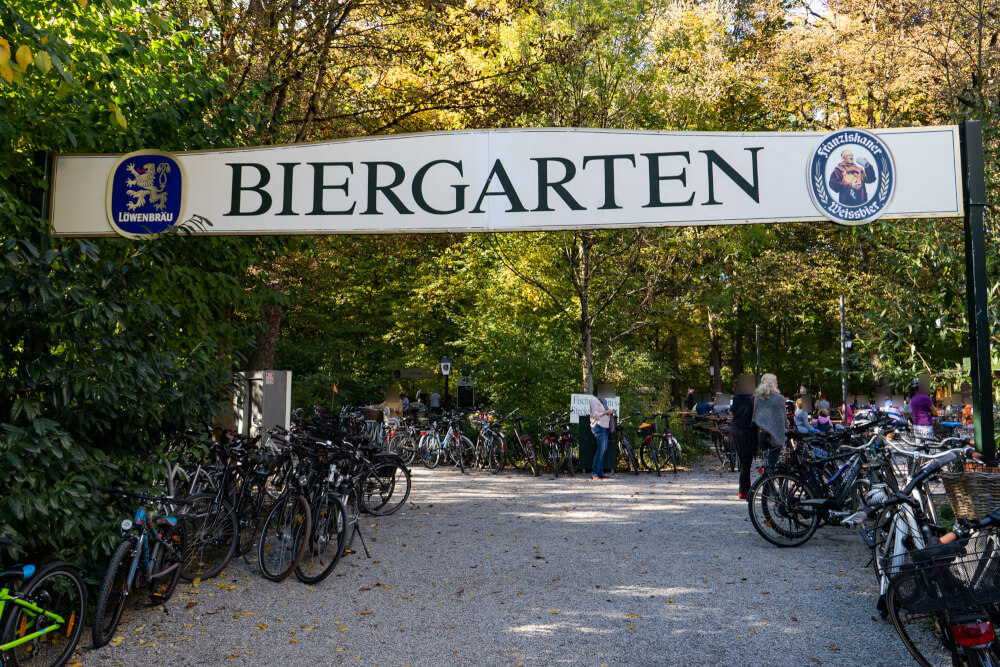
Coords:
267,338
673,356
715,353
736,361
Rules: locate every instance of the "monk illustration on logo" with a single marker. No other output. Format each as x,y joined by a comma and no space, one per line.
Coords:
849,178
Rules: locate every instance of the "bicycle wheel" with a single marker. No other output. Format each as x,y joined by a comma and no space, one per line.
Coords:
719,445
647,455
167,562
572,454
212,530
248,511
921,634
531,456
111,596
633,463
496,454
777,512
555,460
674,454
385,488
326,540
284,537
58,589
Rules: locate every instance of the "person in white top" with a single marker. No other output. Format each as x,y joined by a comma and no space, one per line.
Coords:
435,401
600,422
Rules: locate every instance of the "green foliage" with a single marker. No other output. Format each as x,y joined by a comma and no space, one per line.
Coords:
107,348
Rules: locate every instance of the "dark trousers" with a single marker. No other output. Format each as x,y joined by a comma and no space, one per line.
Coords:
745,443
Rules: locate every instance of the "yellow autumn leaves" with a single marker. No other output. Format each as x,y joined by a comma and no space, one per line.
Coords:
22,60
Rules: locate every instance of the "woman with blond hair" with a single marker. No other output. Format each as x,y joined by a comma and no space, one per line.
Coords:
769,416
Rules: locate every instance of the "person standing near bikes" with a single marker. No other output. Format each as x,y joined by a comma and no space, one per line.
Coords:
742,432
923,408
770,417
600,424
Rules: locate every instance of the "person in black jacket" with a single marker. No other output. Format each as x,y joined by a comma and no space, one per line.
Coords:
742,431
689,400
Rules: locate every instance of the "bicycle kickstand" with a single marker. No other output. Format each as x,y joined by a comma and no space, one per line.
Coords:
357,530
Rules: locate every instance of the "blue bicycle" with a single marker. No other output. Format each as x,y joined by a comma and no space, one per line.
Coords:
150,554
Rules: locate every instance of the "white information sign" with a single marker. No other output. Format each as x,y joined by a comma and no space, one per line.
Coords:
579,406
515,180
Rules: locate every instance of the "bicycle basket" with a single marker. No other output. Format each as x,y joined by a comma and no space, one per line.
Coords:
928,583
972,493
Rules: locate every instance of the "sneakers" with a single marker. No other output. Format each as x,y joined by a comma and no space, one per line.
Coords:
741,496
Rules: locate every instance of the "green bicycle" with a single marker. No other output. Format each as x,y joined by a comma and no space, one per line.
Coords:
44,619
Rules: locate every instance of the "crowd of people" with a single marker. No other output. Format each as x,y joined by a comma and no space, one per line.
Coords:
761,417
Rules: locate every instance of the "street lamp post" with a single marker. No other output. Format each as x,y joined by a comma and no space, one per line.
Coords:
756,328
446,371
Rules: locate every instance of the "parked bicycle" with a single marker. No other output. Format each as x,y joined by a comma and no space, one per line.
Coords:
44,618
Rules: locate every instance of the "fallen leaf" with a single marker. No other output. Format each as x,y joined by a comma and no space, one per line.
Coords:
630,627
342,628
116,641
190,604
262,626
832,646
553,611
634,616
197,580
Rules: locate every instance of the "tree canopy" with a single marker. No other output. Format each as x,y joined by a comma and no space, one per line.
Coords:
110,347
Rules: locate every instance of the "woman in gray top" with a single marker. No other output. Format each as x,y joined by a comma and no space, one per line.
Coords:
769,416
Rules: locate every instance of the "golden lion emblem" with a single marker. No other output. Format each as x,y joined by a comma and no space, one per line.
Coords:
145,186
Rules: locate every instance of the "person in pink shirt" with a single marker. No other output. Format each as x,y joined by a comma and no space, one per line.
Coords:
923,408
600,422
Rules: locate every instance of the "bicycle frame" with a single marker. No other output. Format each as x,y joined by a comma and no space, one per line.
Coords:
6,598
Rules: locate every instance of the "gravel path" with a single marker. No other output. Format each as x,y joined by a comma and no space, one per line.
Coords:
509,570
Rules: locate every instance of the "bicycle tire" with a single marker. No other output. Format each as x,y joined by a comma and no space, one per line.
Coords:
497,454
111,597
572,452
57,588
212,531
327,540
531,456
384,478
718,443
555,462
284,537
935,652
248,516
633,463
675,456
782,520
161,591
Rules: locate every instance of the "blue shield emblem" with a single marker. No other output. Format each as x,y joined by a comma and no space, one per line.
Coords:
851,177
145,194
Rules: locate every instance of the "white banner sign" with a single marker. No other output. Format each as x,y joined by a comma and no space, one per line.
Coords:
515,180
579,405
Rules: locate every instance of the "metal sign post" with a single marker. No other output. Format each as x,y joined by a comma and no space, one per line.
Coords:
843,356
977,286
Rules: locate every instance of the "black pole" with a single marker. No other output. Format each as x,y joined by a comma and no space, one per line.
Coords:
756,328
843,353
976,293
